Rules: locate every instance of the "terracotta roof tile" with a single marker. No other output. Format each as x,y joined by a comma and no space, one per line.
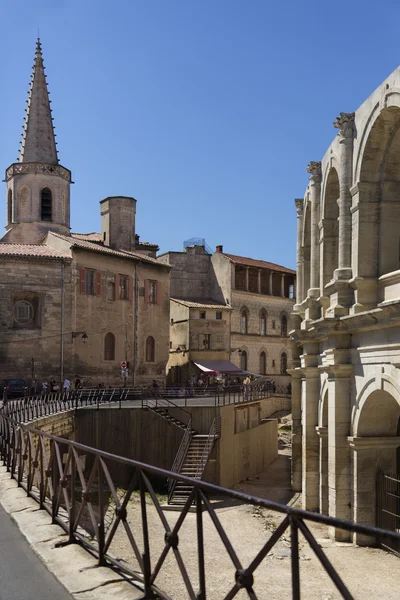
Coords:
89,237
31,251
251,262
201,304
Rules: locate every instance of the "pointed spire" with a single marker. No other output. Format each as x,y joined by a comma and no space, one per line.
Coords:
38,139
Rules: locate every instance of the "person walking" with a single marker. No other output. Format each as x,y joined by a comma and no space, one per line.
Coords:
66,385
246,388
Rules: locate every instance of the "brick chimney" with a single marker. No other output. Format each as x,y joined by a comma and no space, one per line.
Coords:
219,249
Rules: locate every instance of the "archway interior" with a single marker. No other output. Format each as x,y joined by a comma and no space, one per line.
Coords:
380,170
329,258
379,416
306,249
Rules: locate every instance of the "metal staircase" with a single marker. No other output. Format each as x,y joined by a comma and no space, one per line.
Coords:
191,461
161,407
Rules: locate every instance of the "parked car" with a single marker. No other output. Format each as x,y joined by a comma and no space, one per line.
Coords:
15,388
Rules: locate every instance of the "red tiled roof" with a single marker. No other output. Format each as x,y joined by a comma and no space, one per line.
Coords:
89,237
261,264
31,251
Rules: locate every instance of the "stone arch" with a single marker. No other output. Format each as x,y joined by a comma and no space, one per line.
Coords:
150,349
379,186
244,358
284,324
323,405
330,228
109,346
244,320
263,362
306,247
381,383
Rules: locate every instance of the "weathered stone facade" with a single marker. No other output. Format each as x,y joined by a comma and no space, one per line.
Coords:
346,380
59,290
260,295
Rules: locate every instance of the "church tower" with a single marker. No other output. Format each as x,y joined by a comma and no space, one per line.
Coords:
38,187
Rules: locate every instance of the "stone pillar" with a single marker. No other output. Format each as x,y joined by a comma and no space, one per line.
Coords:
310,440
283,285
296,428
369,454
345,123
323,469
246,280
314,168
259,281
339,463
299,254
270,283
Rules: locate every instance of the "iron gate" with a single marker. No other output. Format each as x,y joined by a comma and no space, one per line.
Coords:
388,507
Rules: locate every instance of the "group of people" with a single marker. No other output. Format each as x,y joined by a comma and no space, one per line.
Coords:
48,387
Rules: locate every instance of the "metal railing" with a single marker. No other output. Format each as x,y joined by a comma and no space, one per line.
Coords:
214,433
51,470
180,458
388,506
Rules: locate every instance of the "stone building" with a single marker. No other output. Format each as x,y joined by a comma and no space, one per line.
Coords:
346,378
60,289
260,295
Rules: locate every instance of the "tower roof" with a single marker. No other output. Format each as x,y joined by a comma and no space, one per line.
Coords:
38,139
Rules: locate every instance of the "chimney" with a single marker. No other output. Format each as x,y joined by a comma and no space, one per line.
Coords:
118,222
219,249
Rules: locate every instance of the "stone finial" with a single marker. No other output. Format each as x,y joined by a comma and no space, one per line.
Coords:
314,168
345,123
299,202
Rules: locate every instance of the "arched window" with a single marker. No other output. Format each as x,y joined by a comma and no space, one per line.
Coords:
243,320
283,363
109,347
263,363
150,349
9,206
283,326
243,360
263,323
46,201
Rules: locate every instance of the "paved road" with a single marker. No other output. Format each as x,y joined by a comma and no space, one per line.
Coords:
22,574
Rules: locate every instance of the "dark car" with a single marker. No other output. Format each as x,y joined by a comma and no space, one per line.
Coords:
15,388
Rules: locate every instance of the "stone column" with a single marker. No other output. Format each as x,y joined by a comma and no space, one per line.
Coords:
246,280
310,440
369,454
323,469
299,254
314,168
283,285
296,428
270,283
259,281
345,123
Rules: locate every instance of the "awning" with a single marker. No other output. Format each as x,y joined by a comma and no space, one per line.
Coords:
218,366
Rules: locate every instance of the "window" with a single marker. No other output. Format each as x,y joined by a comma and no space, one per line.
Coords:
273,363
263,363
206,341
90,282
152,292
110,290
109,347
243,321
9,206
46,201
150,349
263,323
202,314
291,290
273,325
23,312
123,287
283,326
218,315
283,363
243,360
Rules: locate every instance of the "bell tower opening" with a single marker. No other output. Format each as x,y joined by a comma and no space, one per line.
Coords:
46,202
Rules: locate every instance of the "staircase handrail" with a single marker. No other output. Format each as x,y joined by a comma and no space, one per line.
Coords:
214,433
180,457
159,401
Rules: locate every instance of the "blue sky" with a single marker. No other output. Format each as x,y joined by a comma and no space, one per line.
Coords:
207,112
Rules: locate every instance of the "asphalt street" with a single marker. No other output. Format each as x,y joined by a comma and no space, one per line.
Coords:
22,574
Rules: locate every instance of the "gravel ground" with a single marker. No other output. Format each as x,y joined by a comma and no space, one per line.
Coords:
369,573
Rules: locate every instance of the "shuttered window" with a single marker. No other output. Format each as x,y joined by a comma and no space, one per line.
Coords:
152,291
90,282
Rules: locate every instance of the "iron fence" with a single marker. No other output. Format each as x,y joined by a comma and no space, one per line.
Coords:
72,482
388,507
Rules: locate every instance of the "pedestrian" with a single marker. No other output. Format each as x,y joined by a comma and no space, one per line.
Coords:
66,385
45,385
155,387
78,384
246,388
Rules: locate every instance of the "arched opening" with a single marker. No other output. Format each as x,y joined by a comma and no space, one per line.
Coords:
380,184
243,360
46,204
150,349
283,326
330,231
244,320
263,322
306,249
9,207
379,416
283,363
109,347
263,363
